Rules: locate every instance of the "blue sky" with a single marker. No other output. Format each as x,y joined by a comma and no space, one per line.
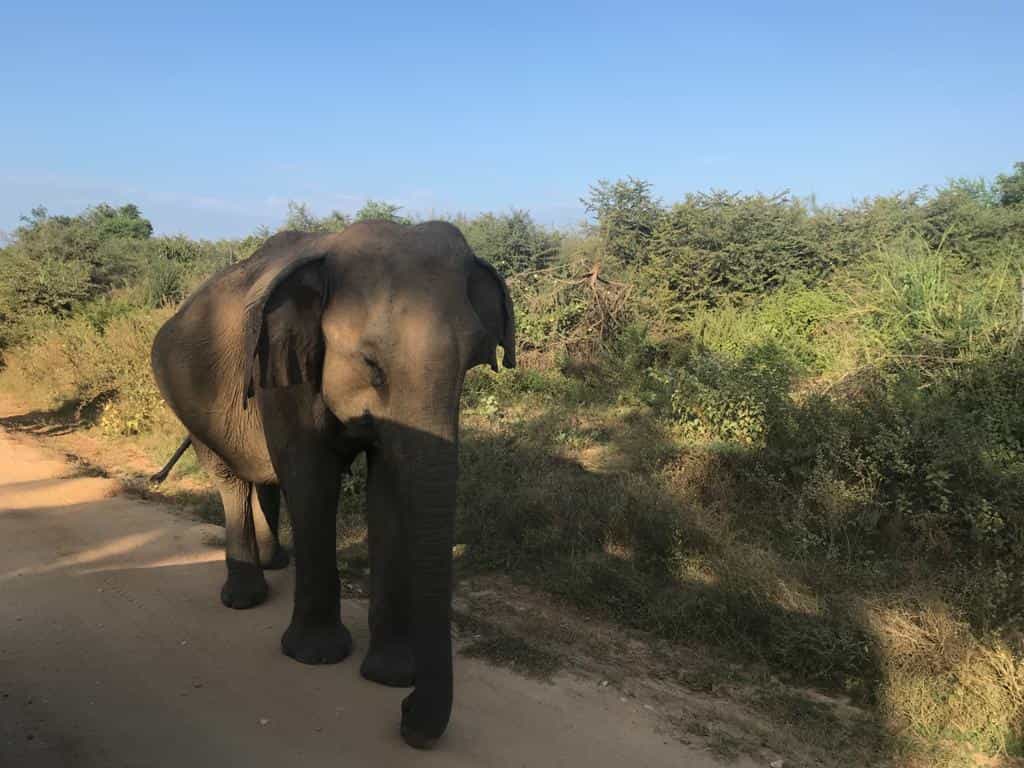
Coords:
212,118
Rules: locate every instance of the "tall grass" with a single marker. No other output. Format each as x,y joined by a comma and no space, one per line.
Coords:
921,302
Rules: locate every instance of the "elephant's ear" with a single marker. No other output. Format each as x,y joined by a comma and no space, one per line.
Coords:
489,296
284,344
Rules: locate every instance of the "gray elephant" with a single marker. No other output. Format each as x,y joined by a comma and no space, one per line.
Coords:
286,366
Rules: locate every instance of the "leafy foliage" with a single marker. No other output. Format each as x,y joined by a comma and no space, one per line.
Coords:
57,262
1011,186
627,216
378,209
512,242
301,219
718,245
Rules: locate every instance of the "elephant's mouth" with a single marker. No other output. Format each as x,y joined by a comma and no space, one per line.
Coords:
361,430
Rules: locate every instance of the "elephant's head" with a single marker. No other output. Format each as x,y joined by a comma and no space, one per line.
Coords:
386,320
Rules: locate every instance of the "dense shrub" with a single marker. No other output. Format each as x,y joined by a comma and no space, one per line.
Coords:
627,217
55,263
512,242
717,245
717,400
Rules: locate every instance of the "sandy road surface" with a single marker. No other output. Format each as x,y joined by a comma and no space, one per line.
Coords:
115,651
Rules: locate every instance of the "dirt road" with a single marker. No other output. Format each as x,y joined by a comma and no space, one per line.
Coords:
115,651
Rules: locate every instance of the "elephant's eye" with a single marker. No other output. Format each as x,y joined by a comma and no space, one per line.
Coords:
377,378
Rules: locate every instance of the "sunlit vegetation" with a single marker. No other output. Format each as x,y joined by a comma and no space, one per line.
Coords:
791,433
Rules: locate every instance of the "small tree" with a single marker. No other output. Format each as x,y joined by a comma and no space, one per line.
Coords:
978,190
378,209
126,222
1011,187
301,219
512,242
718,245
54,263
627,216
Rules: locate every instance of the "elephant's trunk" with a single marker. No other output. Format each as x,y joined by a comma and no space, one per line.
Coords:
428,478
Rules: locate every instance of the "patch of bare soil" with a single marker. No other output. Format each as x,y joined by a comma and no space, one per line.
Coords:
700,700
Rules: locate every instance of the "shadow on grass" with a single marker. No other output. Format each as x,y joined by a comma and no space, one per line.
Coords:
613,542
898,488
203,505
70,416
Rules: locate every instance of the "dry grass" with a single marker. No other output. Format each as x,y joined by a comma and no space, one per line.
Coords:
945,691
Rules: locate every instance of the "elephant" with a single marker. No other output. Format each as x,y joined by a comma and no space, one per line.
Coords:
286,366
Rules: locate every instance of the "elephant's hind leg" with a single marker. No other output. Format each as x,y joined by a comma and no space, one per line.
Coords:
266,516
245,585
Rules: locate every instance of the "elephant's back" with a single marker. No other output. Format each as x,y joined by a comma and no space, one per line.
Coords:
205,335
197,361
198,368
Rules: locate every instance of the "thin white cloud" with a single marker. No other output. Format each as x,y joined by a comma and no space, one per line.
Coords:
213,215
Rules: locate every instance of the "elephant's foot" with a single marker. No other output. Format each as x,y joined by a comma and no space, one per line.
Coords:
390,664
245,586
277,561
421,725
317,644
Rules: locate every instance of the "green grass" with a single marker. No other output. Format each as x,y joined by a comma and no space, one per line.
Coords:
486,640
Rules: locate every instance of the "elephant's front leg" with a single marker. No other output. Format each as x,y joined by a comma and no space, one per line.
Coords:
309,472
316,634
390,659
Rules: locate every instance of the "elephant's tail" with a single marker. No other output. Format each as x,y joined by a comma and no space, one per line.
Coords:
160,476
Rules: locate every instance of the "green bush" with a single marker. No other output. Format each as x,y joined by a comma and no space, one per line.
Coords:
739,401
512,242
55,263
714,246
802,323
627,217
97,360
